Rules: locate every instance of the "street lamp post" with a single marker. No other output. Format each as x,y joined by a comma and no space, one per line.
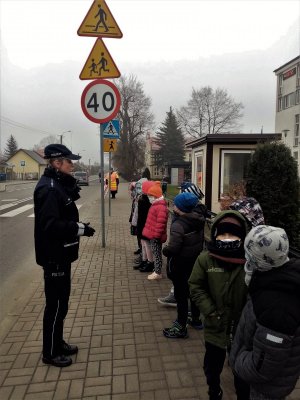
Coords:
61,136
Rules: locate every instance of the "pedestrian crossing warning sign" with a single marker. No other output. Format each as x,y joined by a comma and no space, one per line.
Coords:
111,129
99,64
99,21
109,145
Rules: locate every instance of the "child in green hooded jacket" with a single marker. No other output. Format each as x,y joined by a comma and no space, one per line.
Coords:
217,287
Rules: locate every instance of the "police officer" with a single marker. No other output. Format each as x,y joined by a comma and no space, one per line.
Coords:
56,235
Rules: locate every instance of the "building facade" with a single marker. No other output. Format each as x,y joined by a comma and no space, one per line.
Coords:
175,173
27,164
287,119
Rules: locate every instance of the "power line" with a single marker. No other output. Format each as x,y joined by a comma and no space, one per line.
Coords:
23,126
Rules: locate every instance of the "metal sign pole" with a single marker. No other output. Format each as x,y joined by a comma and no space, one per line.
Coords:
102,185
109,167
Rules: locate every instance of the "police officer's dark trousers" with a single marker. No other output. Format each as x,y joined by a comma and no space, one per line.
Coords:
57,292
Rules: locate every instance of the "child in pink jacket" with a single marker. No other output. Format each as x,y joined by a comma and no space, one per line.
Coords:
155,228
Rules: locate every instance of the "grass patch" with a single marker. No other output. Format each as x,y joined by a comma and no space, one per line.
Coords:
172,191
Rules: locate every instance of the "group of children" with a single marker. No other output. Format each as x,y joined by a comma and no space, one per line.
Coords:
243,283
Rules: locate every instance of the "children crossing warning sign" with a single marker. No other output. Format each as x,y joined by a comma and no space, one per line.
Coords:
99,63
99,21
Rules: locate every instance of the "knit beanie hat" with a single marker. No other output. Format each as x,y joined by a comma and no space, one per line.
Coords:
266,247
230,225
251,210
186,201
191,188
155,190
146,186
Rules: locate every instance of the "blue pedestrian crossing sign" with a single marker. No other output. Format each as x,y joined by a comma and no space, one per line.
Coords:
111,129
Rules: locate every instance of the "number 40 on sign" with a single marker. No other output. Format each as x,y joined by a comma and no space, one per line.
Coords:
100,101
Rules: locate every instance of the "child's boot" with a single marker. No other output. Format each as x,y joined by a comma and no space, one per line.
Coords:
176,331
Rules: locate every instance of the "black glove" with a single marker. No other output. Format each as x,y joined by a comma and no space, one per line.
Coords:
88,230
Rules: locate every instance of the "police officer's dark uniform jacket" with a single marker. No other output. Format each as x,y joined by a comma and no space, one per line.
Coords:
56,218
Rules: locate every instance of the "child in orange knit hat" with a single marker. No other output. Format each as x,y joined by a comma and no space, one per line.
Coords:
156,227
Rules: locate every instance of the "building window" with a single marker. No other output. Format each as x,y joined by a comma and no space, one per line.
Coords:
297,100
234,164
289,100
199,169
280,79
156,171
296,155
297,130
279,104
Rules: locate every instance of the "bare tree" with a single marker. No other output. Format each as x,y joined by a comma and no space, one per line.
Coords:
135,121
210,111
45,141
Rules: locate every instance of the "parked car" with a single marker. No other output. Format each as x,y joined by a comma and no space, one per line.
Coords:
82,177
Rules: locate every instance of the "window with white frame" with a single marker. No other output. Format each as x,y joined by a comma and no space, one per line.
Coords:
289,100
234,164
198,178
297,130
297,100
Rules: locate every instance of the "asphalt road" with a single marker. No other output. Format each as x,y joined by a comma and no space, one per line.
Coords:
19,273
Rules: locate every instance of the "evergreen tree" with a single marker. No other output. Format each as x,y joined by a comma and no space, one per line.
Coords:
11,147
273,180
170,140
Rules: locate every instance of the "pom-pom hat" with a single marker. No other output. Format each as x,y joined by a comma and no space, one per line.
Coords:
155,190
186,202
146,186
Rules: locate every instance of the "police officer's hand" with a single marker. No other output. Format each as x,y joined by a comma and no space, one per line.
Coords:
84,229
88,230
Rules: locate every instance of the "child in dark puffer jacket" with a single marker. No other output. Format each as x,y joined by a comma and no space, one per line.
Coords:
266,348
185,244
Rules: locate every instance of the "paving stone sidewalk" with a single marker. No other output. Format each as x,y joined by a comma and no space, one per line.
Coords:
116,321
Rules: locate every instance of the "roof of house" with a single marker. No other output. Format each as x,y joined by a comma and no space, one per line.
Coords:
234,138
34,155
289,62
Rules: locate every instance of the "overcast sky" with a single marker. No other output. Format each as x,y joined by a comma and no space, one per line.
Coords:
38,32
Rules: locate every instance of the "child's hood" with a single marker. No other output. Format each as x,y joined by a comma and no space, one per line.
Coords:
228,213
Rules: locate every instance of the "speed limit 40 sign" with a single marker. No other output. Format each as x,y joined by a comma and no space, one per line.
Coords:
100,101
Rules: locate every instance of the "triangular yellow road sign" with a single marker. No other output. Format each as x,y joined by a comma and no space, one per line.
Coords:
109,145
99,64
99,21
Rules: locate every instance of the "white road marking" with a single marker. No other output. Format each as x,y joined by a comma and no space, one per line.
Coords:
17,211
9,200
5,206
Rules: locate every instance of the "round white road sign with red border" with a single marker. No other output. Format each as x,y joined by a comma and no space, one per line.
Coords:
100,101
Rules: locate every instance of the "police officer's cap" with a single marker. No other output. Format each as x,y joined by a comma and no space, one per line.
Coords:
59,151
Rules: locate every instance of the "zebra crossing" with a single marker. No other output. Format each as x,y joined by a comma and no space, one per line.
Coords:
20,209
